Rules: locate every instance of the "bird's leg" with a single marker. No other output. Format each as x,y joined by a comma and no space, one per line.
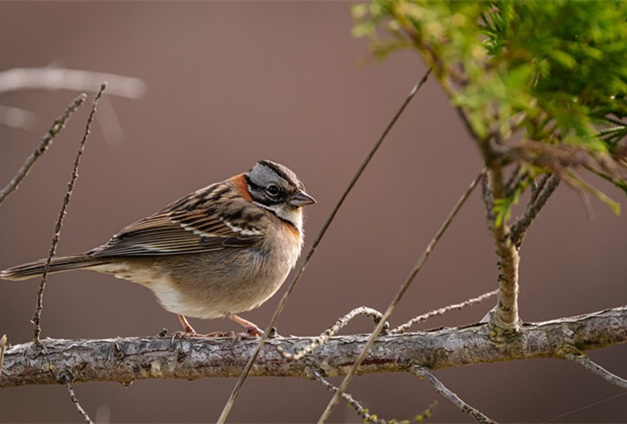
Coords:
190,332
251,328
188,328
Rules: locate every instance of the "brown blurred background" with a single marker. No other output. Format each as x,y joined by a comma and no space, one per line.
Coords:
231,83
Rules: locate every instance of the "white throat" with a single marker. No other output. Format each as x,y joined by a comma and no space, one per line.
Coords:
293,216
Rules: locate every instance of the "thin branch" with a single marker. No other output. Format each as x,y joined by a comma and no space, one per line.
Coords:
66,378
536,188
361,411
57,231
583,360
46,141
537,202
3,345
332,331
51,78
425,373
515,179
364,413
125,360
441,311
229,404
397,298
363,310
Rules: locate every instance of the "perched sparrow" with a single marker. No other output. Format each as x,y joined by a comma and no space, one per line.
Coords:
221,250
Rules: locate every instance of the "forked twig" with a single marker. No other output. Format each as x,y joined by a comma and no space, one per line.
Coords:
364,310
57,231
46,141
422,372
442,311
515,179
363,412
536,188
333,330
301,270
399,295
539,197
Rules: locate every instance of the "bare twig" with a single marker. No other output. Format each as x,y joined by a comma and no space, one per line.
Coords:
583,360
517,177
536,203
3,345
47,140
442,311
397,298
363,412
332,331
57,231
422,372
51,78
66,378
537,186
363,310
229,404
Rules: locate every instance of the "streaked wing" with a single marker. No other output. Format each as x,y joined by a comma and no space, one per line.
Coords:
190,225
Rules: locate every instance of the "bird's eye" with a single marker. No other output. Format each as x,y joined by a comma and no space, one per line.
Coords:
273,190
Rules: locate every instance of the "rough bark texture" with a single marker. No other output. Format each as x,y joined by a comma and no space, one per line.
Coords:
127,359
505,319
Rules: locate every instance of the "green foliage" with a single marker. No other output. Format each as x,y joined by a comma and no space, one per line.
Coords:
551,71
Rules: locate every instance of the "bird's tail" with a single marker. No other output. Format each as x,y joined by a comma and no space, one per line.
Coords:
36,269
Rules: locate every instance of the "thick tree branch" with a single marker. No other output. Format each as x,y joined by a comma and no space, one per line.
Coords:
127,359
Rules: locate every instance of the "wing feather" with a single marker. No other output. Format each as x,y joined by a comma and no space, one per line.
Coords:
191,225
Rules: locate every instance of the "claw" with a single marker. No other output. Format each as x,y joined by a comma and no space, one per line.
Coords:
251,329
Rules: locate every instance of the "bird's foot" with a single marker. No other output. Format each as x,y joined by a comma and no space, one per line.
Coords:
193,334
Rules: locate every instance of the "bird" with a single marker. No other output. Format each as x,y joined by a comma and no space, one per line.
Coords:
219,251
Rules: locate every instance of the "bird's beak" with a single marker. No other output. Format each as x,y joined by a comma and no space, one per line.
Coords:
301,198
